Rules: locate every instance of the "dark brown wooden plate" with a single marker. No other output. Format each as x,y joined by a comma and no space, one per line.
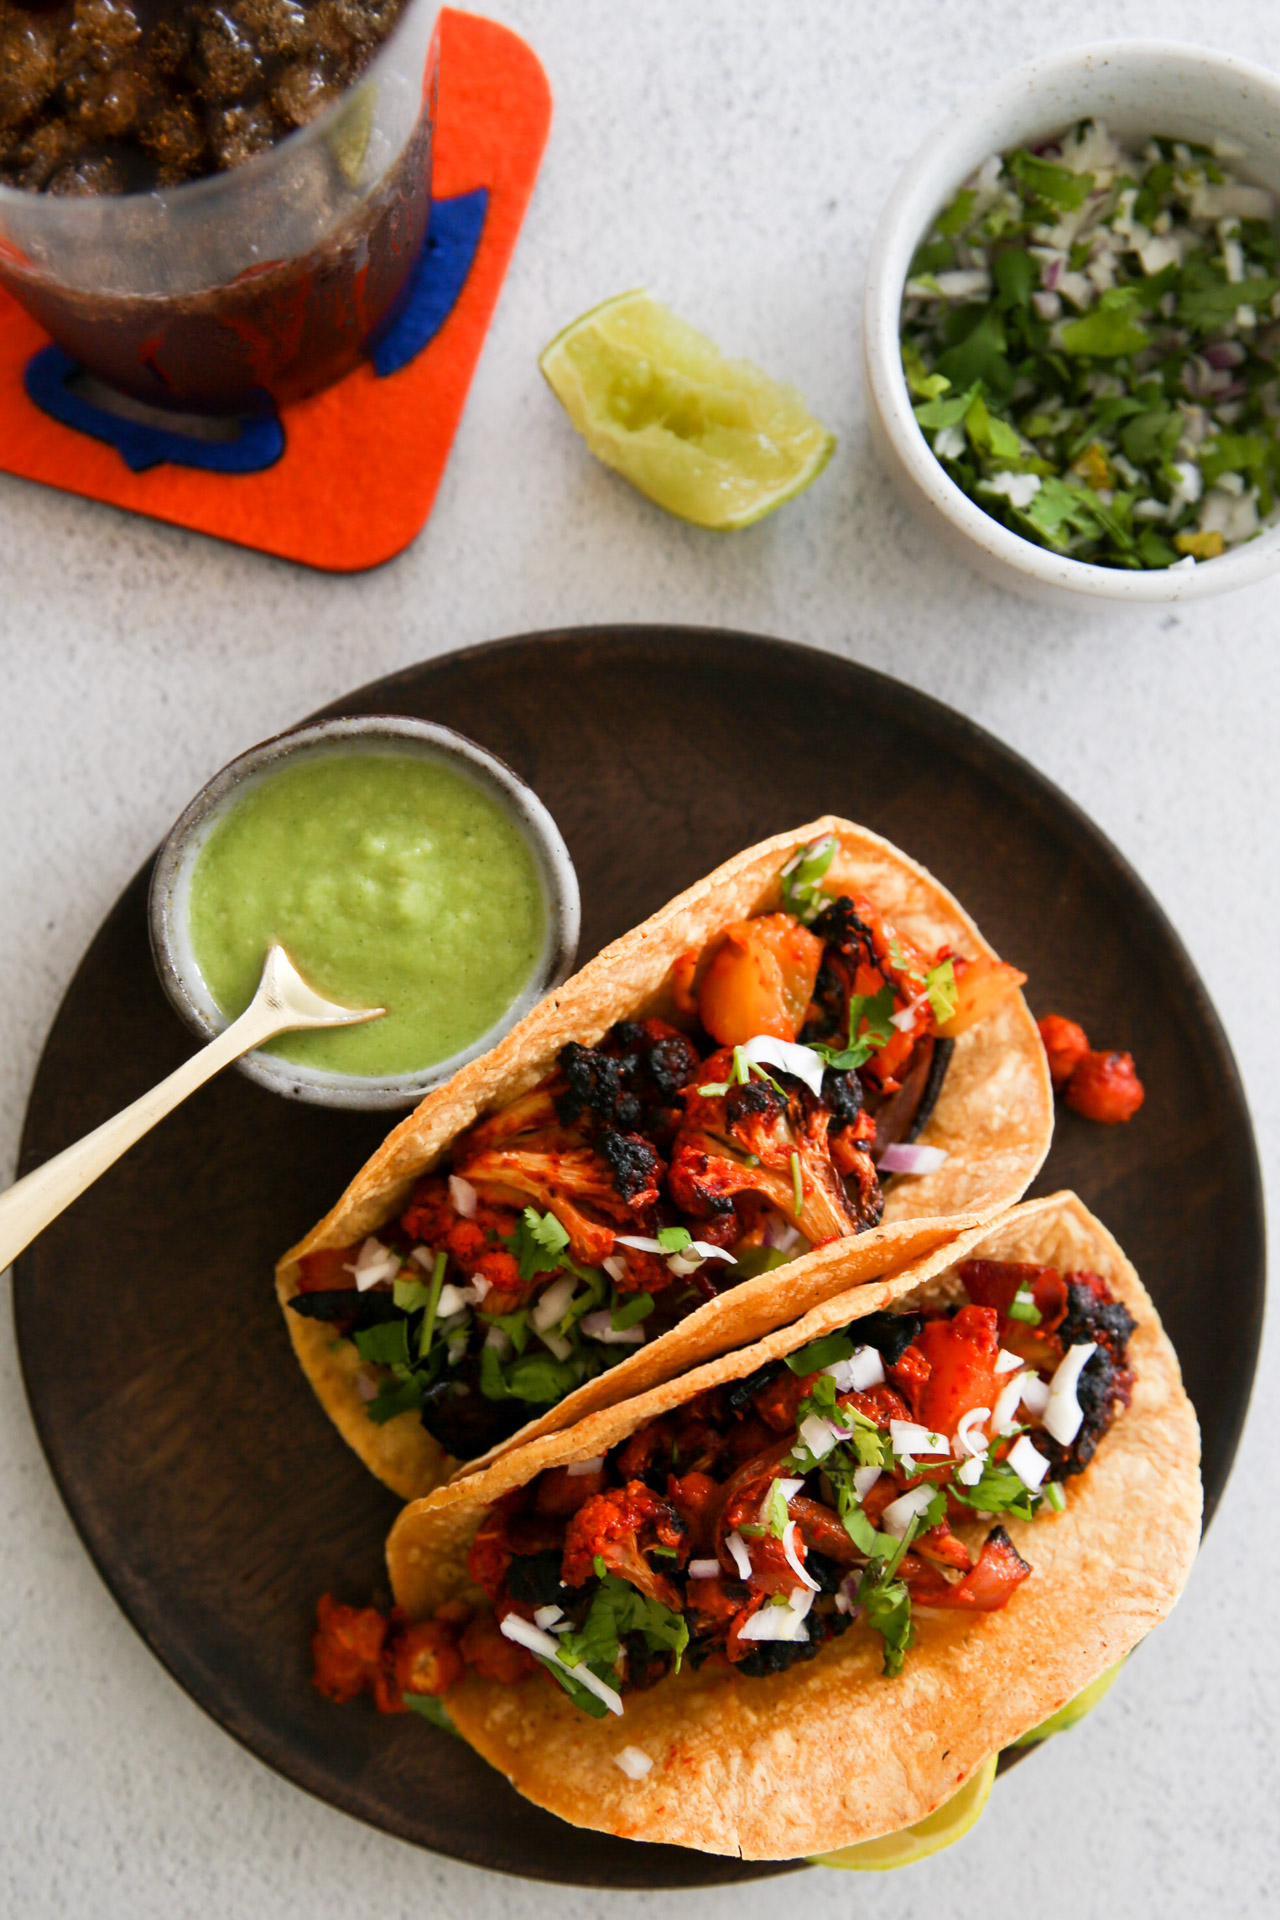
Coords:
215,1498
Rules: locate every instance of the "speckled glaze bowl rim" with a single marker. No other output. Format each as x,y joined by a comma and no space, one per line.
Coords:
393,733
935,172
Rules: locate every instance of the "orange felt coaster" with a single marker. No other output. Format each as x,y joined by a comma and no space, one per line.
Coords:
362,461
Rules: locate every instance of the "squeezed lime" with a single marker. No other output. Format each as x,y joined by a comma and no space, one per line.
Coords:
946,1824
714,441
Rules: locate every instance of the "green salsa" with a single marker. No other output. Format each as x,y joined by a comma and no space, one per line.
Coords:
391,881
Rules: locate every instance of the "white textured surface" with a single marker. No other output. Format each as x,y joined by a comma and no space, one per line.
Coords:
734,155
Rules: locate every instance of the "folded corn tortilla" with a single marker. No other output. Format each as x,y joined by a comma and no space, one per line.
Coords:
994,1118
830,1753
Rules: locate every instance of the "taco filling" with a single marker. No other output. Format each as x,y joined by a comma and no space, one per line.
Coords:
646,1174
839,1489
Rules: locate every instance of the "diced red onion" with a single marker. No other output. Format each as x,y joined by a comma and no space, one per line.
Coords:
779,1234
1225,353
634,1762
907,1157
847,1595
1027,1462
463,1195
599,1326
525,1634
578,1469
704,1569
365,1387
818,1435
737,1548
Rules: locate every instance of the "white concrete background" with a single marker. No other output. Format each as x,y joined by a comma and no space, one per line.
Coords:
734,156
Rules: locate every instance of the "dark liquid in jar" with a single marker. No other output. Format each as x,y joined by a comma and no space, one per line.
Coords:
118,96
122,96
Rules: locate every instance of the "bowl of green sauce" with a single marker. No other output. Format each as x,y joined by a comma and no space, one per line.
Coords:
400,865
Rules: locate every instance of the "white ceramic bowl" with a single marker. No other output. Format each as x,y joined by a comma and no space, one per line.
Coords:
367,733
1138,88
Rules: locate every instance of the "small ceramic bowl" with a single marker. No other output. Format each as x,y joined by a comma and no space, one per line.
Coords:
1137,88
386,733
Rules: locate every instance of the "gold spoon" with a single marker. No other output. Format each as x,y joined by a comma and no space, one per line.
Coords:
283,1003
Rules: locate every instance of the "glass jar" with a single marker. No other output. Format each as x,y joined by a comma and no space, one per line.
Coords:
245,290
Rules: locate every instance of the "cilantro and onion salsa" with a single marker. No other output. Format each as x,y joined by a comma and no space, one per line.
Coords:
1091,337
870,1473
647,1173
391,881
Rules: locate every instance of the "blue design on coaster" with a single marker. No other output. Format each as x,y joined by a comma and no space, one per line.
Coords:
435,283
258,443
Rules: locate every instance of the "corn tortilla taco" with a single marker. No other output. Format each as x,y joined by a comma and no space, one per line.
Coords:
804,1071
792,1600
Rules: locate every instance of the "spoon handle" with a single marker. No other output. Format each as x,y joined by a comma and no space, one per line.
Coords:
31,1203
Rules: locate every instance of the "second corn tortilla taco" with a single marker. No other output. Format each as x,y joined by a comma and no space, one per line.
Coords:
829,1751
985,1136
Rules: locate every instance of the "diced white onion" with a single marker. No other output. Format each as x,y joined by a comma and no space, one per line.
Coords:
703,1248
864,1478
1007,1362
1004,1415
780,1623
899,1514
499,1340
553,1303
1063,1414
373,1263
546,1617
463,1196
615,1267
793,1559
906,1157
907,1437
862,1370
1027,1462
969,1434
556,1343
737,1547
704,1569
452,1300
525,1634
802,1063
1035,1394
970,1472
578,1468
634,1761
599,1326
818,1435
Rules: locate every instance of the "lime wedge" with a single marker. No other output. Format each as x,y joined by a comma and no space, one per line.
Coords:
938,1829
714,441
1075,1710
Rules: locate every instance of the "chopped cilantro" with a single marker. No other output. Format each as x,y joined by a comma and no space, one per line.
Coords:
797,1186
637,1308
1056,185
1023,1307
409,1295
801,876
432,1303
870,1028
581,1696
674,1239
999,1490
824,1352
775,1508
386,1344
940,983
